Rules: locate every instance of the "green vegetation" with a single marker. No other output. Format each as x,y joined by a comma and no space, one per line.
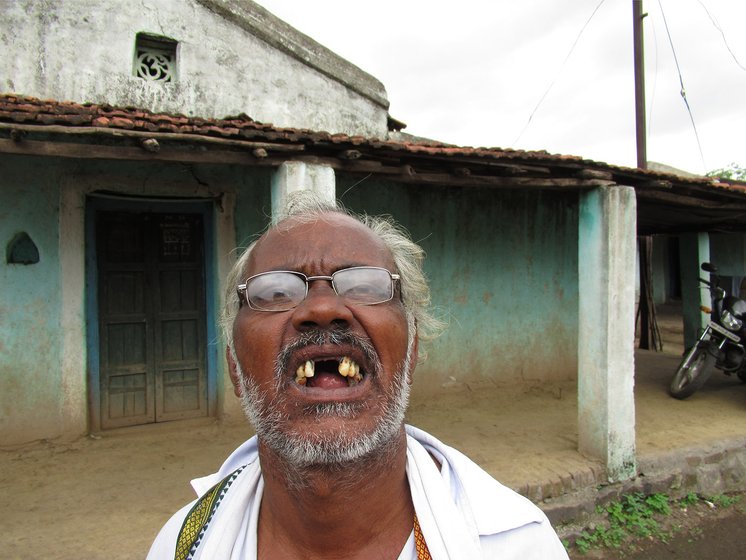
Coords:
723,501
640,516
689,500
633,515
732,172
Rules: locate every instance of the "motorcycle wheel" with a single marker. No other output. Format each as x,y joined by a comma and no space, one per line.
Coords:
693,372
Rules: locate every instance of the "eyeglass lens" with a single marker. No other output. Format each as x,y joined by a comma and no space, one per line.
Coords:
282,290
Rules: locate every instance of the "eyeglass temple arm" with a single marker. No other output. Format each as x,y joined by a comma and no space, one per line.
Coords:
241,291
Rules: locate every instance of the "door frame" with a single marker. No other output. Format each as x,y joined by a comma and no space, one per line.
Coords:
96,203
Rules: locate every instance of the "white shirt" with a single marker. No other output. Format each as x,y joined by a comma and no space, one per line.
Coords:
463,512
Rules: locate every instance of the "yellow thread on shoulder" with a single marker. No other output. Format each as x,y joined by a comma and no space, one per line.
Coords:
194,521
198,517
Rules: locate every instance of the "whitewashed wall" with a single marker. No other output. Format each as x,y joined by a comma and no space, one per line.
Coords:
233,57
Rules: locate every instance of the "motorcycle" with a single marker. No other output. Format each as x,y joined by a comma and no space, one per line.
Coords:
721,345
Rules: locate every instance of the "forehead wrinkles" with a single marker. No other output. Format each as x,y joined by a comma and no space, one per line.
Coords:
328,240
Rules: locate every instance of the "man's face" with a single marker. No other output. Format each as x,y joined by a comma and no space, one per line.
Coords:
326,418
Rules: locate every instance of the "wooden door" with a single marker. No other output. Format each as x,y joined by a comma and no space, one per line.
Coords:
151,317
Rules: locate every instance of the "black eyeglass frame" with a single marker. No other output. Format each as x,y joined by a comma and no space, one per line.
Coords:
243,296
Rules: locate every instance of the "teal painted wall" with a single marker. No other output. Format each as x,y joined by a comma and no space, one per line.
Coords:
694,249
31,382
30,385
503,270
253,206
728,253
660,259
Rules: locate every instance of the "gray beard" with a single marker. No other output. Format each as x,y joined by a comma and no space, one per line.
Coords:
303,450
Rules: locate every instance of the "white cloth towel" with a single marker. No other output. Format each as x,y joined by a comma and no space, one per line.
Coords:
463,512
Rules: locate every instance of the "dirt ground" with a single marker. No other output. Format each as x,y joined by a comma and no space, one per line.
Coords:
107,497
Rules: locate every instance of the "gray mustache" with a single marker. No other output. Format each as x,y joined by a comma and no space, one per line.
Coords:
318,337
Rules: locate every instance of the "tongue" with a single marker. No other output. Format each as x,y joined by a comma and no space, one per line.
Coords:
324,380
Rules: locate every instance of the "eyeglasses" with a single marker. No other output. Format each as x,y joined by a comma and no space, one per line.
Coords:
281,290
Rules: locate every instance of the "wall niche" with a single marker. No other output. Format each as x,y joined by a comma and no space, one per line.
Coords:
22,250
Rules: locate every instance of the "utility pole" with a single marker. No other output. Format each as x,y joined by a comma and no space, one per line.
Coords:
646,307
638,15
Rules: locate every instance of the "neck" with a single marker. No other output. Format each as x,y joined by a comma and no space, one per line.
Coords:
360,509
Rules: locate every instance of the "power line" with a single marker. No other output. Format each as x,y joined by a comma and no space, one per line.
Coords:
557,75
681,82
722,33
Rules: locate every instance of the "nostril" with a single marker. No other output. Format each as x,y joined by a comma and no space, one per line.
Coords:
307,325
335,324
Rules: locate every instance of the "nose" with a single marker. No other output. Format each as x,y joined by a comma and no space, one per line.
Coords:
322,308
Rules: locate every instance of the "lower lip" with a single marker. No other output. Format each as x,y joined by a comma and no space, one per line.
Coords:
319,394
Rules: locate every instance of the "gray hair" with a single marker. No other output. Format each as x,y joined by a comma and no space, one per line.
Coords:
306,206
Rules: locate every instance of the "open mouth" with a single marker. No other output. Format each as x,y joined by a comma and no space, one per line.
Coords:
331,373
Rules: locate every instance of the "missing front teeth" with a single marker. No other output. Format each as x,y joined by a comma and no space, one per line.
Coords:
346,367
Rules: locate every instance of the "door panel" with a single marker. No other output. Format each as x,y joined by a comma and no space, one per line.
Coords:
127,397
181,391
180,342
151,317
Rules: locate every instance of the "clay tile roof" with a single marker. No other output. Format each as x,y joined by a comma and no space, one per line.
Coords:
28,110
666,202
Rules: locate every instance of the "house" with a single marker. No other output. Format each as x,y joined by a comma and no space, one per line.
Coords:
129,179
206,58
136,247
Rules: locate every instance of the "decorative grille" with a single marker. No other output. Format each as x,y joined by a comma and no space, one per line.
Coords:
155,58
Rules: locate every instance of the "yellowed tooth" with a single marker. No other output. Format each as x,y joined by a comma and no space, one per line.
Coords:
354,369
308,369
300,372
344,367
300,380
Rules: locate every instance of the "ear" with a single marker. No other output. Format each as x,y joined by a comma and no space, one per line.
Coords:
413,364
233,372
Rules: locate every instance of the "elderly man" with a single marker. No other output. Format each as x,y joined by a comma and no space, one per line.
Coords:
323,317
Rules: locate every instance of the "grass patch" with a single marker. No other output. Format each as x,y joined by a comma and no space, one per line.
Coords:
724,501
689,500
640,516
634,515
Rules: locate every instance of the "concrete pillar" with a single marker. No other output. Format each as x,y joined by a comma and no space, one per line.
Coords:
72,313
606,406
294,176
228,406
694,249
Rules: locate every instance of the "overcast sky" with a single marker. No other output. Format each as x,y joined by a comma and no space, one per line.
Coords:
472,72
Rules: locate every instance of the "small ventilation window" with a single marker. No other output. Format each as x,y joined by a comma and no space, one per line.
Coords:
22,250
155,58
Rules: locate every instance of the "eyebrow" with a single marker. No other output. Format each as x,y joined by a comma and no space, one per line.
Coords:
303,269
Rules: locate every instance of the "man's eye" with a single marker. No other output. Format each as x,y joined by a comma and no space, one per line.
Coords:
273,290
278,295
361,289
274,294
